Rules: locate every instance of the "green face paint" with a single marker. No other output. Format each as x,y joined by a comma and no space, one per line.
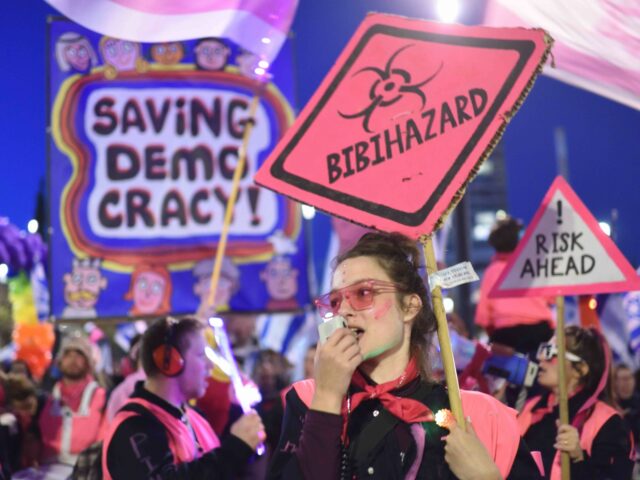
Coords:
378,351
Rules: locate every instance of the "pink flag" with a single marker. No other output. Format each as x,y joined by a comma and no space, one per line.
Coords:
596,42
259,26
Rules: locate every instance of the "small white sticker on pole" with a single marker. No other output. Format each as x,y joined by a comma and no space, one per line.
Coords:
458,274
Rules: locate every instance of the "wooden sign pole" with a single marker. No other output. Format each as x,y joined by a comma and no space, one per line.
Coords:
228,214
446,352
563,402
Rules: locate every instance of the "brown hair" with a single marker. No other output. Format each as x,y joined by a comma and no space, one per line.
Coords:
18,388
588,345
279,361
158,334
400,259
504,234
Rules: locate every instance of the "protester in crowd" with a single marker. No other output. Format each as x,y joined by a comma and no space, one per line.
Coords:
9,431
272,374
523,322
78,397
369,413
20,367
7,444
627,398
123,391
26,403
241,328
596,439
157,434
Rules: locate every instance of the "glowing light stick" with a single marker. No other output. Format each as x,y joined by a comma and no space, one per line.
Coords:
444,418
247,396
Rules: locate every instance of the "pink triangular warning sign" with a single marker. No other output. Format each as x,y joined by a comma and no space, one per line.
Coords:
565,252
403,120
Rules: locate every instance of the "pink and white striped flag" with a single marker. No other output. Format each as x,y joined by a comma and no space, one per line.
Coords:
597,42
259,26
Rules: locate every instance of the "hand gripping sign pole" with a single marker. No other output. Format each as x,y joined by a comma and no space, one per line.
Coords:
563,400
228,214
446,352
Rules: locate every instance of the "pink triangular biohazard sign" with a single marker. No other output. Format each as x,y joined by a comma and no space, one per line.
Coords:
565,252
403,120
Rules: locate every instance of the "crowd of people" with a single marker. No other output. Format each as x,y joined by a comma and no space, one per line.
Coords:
60,430
370,405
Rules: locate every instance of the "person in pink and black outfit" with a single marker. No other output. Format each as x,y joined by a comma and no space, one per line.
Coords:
156,434
71,418
597,439
369,411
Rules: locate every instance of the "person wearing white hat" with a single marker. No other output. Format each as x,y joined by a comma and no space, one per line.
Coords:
71,419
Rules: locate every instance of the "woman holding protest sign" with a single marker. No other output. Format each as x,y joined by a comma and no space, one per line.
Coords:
370,411
597,440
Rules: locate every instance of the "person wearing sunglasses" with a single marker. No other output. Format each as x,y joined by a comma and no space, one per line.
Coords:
369,411
596,439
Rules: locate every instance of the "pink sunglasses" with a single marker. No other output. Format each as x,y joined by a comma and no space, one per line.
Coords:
359,295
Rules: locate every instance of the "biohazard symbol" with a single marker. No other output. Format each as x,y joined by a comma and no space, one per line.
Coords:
389,88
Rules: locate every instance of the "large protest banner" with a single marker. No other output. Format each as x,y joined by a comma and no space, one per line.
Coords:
143,145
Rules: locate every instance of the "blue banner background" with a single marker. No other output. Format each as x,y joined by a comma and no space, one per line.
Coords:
108,261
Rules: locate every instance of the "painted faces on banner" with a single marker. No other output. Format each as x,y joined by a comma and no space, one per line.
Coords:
121,56
143,160
150,290
212,54
169,53
279,275
82,287
280,279
248,62
74,52
228,284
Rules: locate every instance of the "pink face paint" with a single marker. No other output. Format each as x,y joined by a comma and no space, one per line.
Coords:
382,310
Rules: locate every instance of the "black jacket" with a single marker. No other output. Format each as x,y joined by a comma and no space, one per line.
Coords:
609,452
139,449
380,447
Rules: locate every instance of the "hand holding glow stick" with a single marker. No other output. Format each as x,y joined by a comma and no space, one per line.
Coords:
246,396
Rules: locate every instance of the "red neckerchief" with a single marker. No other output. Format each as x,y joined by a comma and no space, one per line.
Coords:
406,409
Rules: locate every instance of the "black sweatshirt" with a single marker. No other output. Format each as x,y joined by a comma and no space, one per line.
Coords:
149,456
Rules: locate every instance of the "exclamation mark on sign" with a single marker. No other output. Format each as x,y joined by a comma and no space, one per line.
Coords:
253,203
559,208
